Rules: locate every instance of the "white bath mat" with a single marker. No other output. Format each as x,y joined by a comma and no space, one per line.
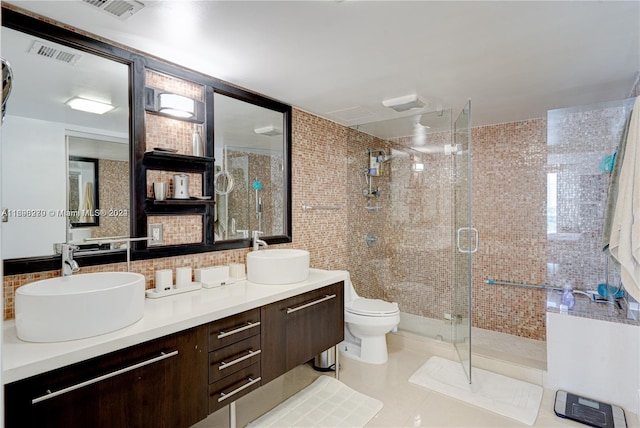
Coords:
327,402
508,397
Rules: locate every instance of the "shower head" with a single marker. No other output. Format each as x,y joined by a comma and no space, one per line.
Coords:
395,154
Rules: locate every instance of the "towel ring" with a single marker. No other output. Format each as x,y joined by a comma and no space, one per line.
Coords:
226,186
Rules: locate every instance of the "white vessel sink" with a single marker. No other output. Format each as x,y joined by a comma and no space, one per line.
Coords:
78,306
278,266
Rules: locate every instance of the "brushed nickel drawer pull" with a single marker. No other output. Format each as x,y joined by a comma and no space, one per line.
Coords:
238,330
224,396
162,356
224,365
315,302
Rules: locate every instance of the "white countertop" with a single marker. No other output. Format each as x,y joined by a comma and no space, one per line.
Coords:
162,316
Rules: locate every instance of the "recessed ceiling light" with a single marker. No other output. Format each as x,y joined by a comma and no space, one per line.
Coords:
90,106
404,103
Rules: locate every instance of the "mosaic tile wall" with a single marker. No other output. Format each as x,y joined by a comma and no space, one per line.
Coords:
581,142
319,177
270,195
409,259
508,206
113,179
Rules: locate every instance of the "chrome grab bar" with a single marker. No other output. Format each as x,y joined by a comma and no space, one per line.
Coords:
320,207
224,365
224,396
238,330
315,302
50,394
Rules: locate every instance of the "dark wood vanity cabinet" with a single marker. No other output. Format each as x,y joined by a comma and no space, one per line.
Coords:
161,383
297,329
179,379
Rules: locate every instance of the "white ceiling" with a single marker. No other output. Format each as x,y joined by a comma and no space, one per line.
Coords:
44,98
340,59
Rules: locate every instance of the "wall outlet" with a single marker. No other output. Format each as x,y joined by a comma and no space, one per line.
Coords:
154,231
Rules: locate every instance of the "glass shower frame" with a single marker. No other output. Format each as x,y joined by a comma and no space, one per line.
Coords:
402,225
466,238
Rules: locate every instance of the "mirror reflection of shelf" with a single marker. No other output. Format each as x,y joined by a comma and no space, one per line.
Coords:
190,201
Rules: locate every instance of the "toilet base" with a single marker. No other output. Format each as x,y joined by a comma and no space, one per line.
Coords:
371,350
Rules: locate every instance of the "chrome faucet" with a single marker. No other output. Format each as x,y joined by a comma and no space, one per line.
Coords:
69,266
257,242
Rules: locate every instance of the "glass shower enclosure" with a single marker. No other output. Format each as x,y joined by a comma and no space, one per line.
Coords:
409,226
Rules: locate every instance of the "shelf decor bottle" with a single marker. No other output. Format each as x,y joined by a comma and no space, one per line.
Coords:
567,299
197,146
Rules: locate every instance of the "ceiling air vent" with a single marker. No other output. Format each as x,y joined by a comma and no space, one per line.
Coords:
53,52
121,9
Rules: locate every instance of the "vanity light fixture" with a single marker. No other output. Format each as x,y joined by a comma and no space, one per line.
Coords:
404,103
173,105
89,106
176,105
268,130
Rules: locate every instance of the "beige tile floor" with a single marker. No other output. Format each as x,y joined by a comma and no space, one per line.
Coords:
405,405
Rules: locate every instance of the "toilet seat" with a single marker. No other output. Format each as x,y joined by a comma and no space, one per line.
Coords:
372,307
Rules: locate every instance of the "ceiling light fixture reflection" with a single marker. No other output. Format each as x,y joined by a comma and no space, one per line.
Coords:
404,103
416,164
176,105
268,130
89,106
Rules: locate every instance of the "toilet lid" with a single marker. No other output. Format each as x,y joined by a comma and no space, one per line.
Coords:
371,307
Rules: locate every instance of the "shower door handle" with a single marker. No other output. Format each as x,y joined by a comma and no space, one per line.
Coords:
475,240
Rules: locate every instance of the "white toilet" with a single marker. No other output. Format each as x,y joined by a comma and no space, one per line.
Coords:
366,324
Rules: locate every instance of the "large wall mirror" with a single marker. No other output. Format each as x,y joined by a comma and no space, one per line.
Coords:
44,187
249,180
43,136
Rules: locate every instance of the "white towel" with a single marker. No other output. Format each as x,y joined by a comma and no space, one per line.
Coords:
625,230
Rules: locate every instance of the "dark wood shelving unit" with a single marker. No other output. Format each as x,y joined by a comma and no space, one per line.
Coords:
192,201
177,162
177,206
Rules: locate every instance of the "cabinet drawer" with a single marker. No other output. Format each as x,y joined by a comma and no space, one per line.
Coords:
160,383
233,387
233,329
228,360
